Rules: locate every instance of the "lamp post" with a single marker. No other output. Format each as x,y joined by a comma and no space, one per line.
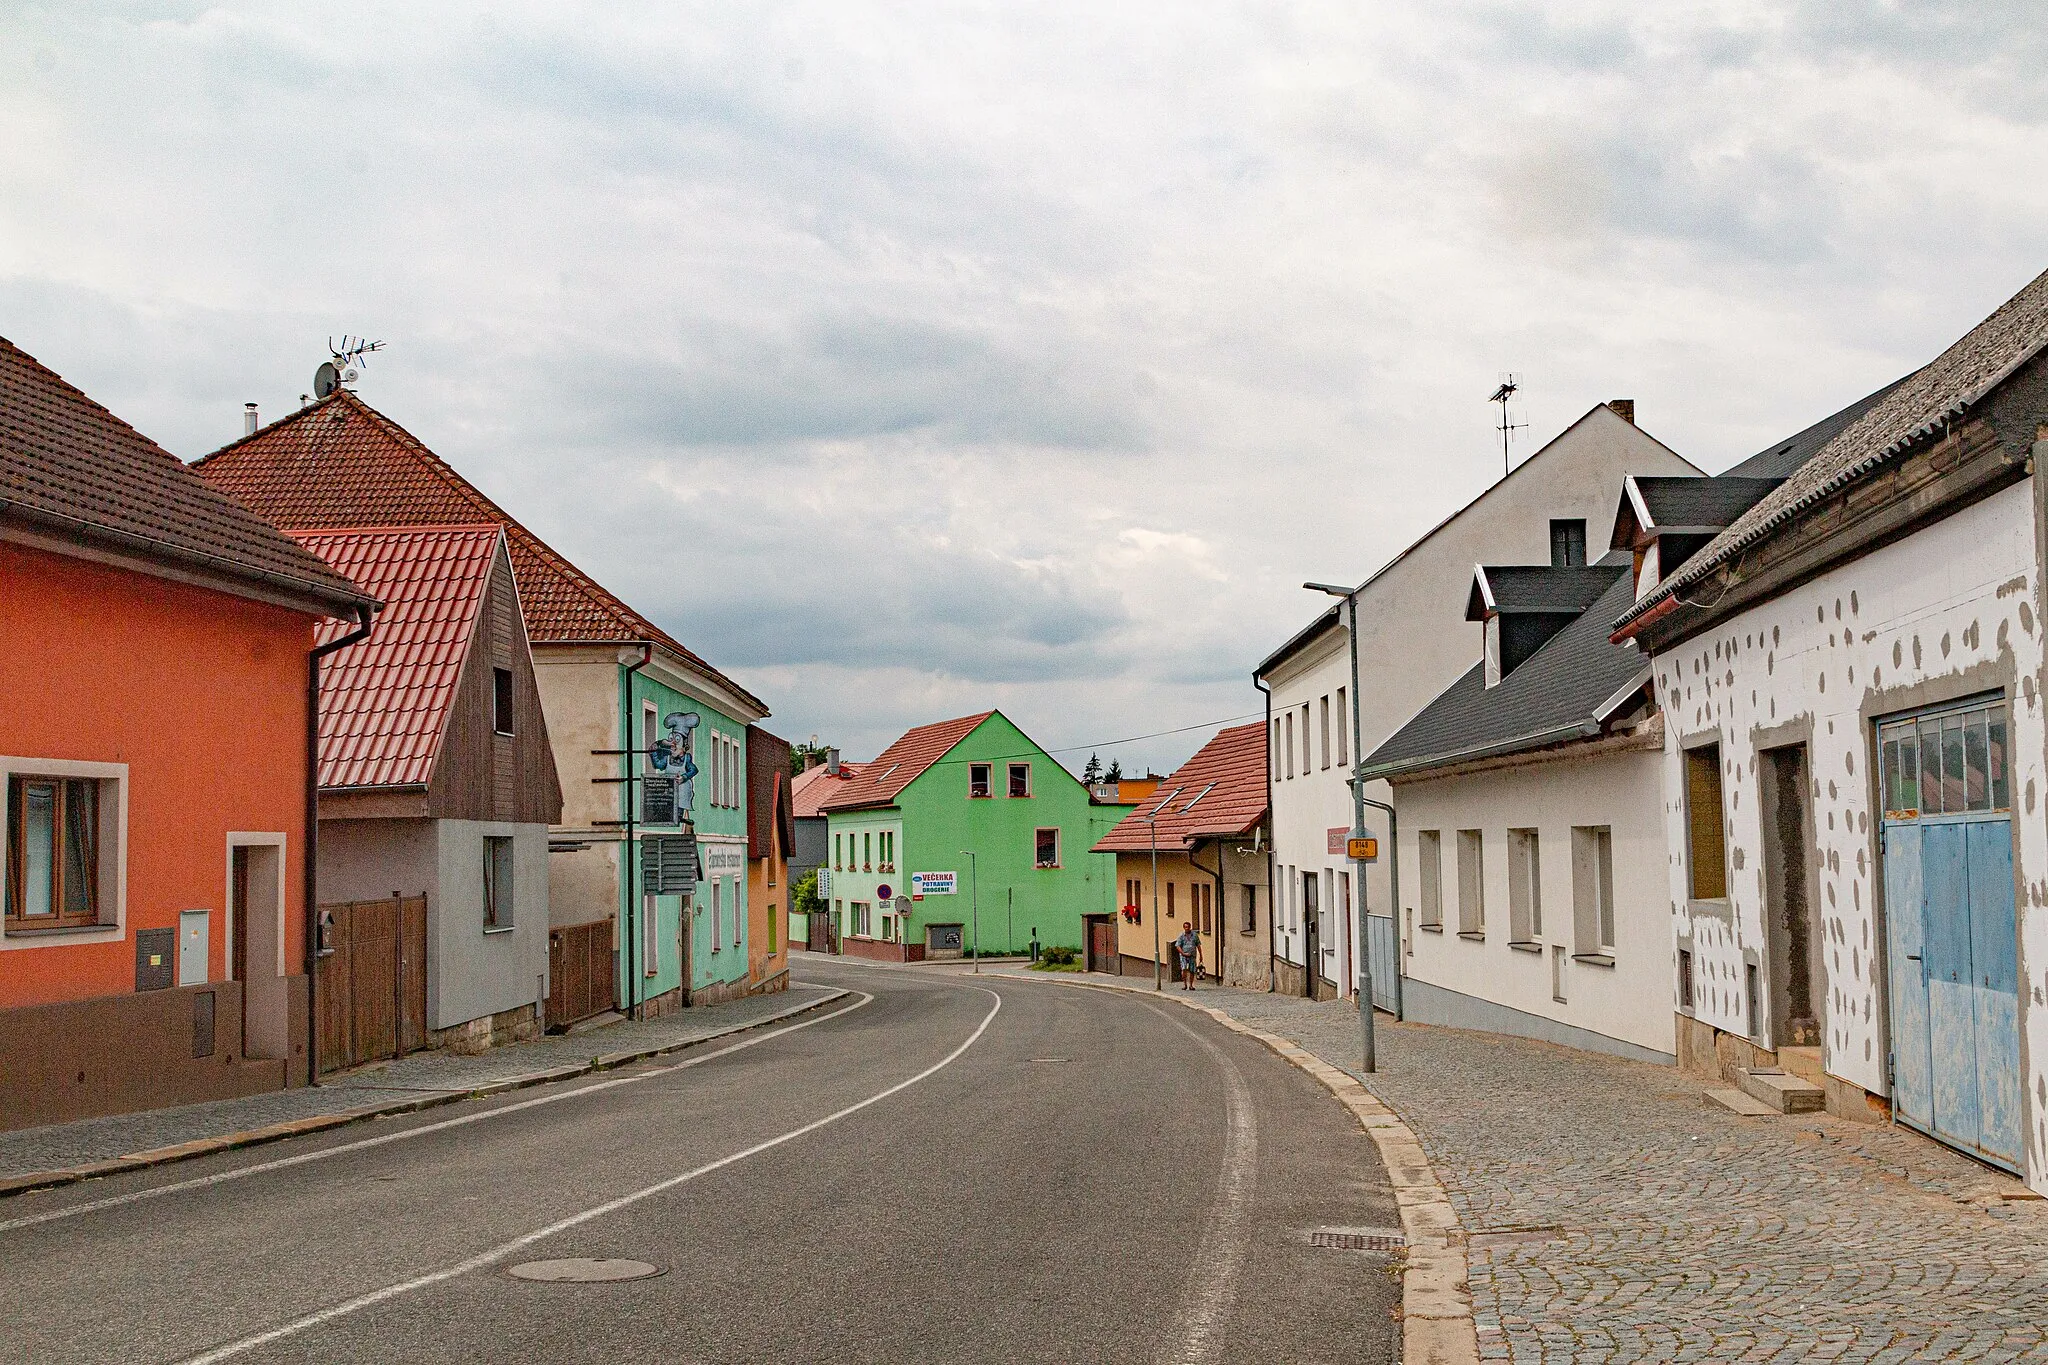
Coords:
974,904
1365,1019
1152,824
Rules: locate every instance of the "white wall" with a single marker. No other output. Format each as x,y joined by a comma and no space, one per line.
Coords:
1629,1001
1414,640
1945,611
471,971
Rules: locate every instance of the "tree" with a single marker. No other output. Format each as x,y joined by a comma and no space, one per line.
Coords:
1092,774
803,897
800,755
1116,771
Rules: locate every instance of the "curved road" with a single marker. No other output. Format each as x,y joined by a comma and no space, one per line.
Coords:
938,1167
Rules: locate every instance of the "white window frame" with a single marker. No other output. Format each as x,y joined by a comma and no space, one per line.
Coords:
1343,731
1525,886
1009,779
1054,831
1472,882
113,880
1326,729
1429,856
1593,891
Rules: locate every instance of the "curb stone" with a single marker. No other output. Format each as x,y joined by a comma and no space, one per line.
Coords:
277,1132
1437,1327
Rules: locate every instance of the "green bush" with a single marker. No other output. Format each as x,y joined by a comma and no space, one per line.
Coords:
1060,957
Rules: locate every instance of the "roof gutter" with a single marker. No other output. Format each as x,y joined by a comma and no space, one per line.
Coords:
1584,729
150,547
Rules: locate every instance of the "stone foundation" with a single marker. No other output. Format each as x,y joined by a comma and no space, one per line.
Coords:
1715,1055
518,1025
720,993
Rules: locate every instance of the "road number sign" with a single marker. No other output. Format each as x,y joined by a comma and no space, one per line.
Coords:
1366,850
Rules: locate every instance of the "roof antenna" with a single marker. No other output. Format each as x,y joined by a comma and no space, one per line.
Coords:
348,362
1501,395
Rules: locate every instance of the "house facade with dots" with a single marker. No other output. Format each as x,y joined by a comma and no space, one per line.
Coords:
1848,657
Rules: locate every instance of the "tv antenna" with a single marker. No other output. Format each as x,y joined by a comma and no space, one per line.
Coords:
348,362
1501,395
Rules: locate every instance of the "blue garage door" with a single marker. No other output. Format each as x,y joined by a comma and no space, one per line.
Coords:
1951,935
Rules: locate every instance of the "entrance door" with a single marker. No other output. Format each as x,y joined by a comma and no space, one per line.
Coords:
1311,934
1950,929
238,931
1796,996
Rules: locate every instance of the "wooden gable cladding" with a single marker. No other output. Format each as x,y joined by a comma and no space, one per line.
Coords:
480,774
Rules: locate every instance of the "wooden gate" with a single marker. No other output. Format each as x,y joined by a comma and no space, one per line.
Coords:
580,981
1101,944
373,985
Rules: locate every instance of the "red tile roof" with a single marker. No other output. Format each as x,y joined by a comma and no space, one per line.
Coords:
71,469
385,702
902,763
340,462
1219,792
814,785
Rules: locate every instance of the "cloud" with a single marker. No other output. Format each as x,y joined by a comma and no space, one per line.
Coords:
908,360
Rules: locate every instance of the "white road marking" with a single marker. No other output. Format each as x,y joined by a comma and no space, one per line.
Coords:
1213,1274
554,1097
504,1249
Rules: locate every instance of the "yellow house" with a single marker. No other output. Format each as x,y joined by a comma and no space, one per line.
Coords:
1194,853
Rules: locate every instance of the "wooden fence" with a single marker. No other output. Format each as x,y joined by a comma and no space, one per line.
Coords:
373,985
580,981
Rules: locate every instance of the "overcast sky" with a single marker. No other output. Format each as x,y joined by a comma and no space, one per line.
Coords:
910,360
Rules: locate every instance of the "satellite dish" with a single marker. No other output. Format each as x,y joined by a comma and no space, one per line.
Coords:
326,379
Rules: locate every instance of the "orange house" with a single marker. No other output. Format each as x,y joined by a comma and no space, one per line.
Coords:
154,642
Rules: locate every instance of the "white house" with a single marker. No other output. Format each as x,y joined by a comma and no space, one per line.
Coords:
1414,642
1854,759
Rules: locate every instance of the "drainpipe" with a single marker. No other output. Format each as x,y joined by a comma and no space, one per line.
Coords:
627,865
310,843
1272,901
1215,914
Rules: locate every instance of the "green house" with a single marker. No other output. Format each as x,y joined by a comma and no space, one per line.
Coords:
961,827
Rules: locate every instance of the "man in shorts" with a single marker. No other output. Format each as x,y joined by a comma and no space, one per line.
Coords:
1188,949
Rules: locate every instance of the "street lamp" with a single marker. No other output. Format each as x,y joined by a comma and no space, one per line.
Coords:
1152,823
1365,1019
974,904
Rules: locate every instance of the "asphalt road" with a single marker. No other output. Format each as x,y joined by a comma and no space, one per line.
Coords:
938,1168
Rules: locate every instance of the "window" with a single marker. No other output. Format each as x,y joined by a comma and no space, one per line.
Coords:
739,912
501,700
774,933
717,914
1273,751
1326,729
1749,985
1172,914
1020,779
835,853
860,918
1429,853
1290,742
888,928
978,779
1251,910
1685,978
1568,544
1304,740
867,850
1706,846
1525,886
1471,882
497,882
53,852
1344,901
1557,973
1199,893
1945,764
1343,731
1592,890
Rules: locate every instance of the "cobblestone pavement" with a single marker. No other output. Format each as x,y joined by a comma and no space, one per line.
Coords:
421,1075
1614,1216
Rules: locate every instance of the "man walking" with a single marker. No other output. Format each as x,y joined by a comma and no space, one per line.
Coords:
1189,950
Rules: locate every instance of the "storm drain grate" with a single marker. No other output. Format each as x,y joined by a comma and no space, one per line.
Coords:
1357,1239
583,1270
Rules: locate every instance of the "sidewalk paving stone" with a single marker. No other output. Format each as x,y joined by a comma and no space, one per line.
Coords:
421,1078
1612,1214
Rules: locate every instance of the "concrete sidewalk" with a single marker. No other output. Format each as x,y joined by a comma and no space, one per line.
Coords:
1610,1214
35,1158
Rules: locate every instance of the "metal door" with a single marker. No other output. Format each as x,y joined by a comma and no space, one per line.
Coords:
1951,931
1311,936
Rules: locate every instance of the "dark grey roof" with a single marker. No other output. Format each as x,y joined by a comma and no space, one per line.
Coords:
1556,695
1511,588
1919,405
1700,504
1780,458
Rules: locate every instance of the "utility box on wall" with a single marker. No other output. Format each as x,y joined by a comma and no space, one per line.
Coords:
153,951
194,927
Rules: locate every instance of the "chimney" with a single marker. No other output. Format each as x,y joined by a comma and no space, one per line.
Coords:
1624,408
832,762
249,422
812,758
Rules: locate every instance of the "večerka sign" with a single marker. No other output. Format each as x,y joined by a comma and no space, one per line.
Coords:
934,883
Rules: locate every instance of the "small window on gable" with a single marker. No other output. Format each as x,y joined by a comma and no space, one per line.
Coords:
501,701
978,779
1568,544
1020,779
1047,851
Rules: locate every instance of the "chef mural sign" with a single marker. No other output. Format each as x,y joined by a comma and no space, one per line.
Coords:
924,884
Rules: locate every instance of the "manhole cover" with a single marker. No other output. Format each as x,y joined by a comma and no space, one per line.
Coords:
583,1270
1357,1239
